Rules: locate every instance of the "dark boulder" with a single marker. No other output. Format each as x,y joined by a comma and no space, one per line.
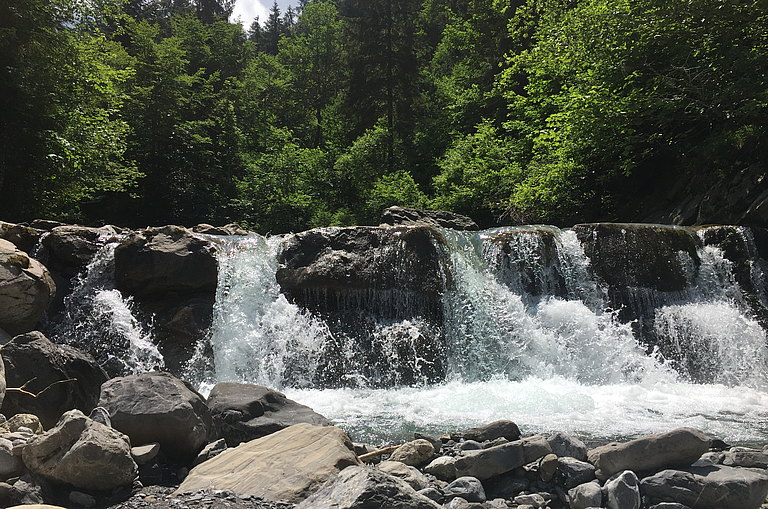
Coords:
69,378
170,259
157,407
243,412
380,291
69,249
396,216
503,428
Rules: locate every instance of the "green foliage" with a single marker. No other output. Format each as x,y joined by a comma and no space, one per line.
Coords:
157,111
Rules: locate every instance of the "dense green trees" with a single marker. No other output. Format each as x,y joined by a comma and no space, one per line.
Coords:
156,111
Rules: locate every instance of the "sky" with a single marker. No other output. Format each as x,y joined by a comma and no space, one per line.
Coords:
247,10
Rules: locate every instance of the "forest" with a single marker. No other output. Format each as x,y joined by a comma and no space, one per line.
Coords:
144,112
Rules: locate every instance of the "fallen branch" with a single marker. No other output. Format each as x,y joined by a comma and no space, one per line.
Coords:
22,390
378,453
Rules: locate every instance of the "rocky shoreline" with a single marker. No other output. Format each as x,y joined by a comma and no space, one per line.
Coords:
154,442
80,431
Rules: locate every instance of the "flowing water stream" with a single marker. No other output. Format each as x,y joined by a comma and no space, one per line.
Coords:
527,333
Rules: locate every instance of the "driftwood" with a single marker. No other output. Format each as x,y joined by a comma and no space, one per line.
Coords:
22,389
378,453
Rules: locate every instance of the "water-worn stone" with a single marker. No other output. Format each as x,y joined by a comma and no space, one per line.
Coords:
547,467
157,407
441,218
286,465
23,237
533,500
468,488
710,487
26,290
19,421
243,412
82,453
411,475
669,505
69,378
431,493
565,445
210,451
143,454
162,260
70,248
493,430
501,458
622,491
680,447
574,472
10,464
743,457
585,496
366,488
414,453
442,467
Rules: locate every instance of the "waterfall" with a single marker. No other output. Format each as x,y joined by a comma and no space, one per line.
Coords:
98,319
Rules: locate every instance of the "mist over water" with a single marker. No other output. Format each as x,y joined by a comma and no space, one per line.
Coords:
528,336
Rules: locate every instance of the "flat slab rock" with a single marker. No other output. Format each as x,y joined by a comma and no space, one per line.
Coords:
710,487
284,466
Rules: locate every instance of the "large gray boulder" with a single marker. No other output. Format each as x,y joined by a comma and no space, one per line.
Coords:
157,407
64,377
71,248
710,487
26,289
490,462
164,260
287,465
81,453
23,237
622,491
680,447
244,412
366,488
407,216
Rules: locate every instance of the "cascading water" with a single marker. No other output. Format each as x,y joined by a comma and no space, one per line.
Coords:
526,334
100,320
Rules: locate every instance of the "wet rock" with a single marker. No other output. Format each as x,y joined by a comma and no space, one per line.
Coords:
411,475
711,487
440,218
69,378
414,453
680,447
26,290
565,445
364,488
493,430
547,467
442,467
82,453
622,491
157,407
574,472
586,495
286,465
501,458
431,493
164,260
470,445
71,248
468,488
243,412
